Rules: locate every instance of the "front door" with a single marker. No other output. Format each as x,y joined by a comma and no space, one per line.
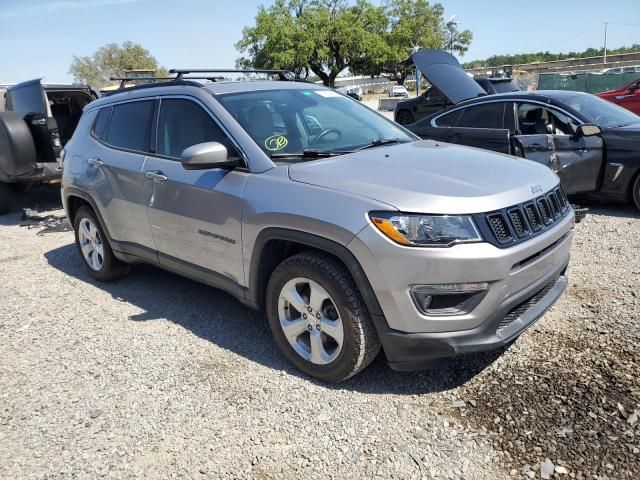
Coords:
547,136
195,215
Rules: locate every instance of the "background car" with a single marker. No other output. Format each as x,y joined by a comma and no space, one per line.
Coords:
36,121
627,96
399,91
353,92
591,144
431,101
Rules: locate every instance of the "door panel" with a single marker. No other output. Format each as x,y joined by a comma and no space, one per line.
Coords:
114,177
576,160
196,215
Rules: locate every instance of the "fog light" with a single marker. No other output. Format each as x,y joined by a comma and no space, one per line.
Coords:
448,298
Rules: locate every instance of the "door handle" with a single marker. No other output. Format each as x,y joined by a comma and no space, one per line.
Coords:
96,162
157,176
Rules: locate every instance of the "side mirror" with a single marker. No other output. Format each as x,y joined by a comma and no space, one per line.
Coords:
207,155
588,130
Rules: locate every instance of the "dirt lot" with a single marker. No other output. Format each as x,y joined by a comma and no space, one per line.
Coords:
157,376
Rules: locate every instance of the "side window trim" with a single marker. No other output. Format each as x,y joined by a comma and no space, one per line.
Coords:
197,101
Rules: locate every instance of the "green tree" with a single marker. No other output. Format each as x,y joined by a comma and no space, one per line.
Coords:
417,23
113,60
325,37
521,58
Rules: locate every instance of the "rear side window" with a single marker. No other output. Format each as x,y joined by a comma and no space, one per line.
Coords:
449,120
130,125
100,124
183,123
489,115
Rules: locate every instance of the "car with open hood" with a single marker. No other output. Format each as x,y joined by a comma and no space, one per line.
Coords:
347,230
433,64
36,121
590,143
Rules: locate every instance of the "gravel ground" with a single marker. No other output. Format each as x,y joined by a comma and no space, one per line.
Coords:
157,376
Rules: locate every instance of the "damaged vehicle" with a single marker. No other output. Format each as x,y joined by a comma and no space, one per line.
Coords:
593,145
36,121
352,235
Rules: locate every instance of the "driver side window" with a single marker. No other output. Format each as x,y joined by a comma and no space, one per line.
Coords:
535,119
182,124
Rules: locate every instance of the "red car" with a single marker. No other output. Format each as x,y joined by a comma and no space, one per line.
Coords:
627,96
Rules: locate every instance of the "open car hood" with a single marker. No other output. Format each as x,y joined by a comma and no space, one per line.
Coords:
444,72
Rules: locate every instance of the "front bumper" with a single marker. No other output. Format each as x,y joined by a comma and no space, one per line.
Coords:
514,275
412,351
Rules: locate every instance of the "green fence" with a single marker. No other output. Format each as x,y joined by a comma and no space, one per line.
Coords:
585,82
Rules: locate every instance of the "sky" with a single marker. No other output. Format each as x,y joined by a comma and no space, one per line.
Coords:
38,38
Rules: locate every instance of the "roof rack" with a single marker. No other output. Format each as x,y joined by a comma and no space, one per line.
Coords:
180,72
123,80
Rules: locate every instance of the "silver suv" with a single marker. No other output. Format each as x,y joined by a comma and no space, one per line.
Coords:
347,230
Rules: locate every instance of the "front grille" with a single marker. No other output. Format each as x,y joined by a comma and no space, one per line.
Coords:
499,227
523,307
545,211
517,223
533,216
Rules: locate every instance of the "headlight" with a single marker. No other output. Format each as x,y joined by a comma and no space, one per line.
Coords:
426,230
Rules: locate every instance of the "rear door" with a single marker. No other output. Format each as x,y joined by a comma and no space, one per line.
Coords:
547,135
480,126
29,100
195,214
112,172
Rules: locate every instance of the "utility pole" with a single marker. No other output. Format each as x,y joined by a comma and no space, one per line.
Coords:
605,42
415,48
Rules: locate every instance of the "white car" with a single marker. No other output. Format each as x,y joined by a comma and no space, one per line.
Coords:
399,91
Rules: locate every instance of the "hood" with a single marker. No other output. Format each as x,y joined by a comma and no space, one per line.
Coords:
430,177
444,72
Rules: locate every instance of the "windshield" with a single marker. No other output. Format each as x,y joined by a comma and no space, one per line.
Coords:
292,121
599,111
506,87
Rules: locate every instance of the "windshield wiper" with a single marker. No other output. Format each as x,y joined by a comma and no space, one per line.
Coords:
379,142
308,153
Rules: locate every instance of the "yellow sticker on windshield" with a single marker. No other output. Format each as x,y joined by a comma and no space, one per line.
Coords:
276,142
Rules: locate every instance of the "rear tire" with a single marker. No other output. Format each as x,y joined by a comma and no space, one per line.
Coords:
93,246
5,198
636,192
404,117
330,335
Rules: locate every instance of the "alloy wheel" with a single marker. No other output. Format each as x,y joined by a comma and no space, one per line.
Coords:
310,321
91,244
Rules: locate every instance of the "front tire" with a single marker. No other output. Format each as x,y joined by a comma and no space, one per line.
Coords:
636,191
93,246
318,318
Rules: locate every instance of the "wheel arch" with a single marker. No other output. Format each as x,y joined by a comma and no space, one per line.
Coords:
74,199
273,245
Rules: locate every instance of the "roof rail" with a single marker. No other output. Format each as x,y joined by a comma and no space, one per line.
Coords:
180,72
123,80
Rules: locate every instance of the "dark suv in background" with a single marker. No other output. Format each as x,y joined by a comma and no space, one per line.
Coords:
36,121
431,101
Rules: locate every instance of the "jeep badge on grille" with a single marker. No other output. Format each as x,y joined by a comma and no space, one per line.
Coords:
536,188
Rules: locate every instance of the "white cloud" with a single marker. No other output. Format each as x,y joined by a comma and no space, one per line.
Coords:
48,7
